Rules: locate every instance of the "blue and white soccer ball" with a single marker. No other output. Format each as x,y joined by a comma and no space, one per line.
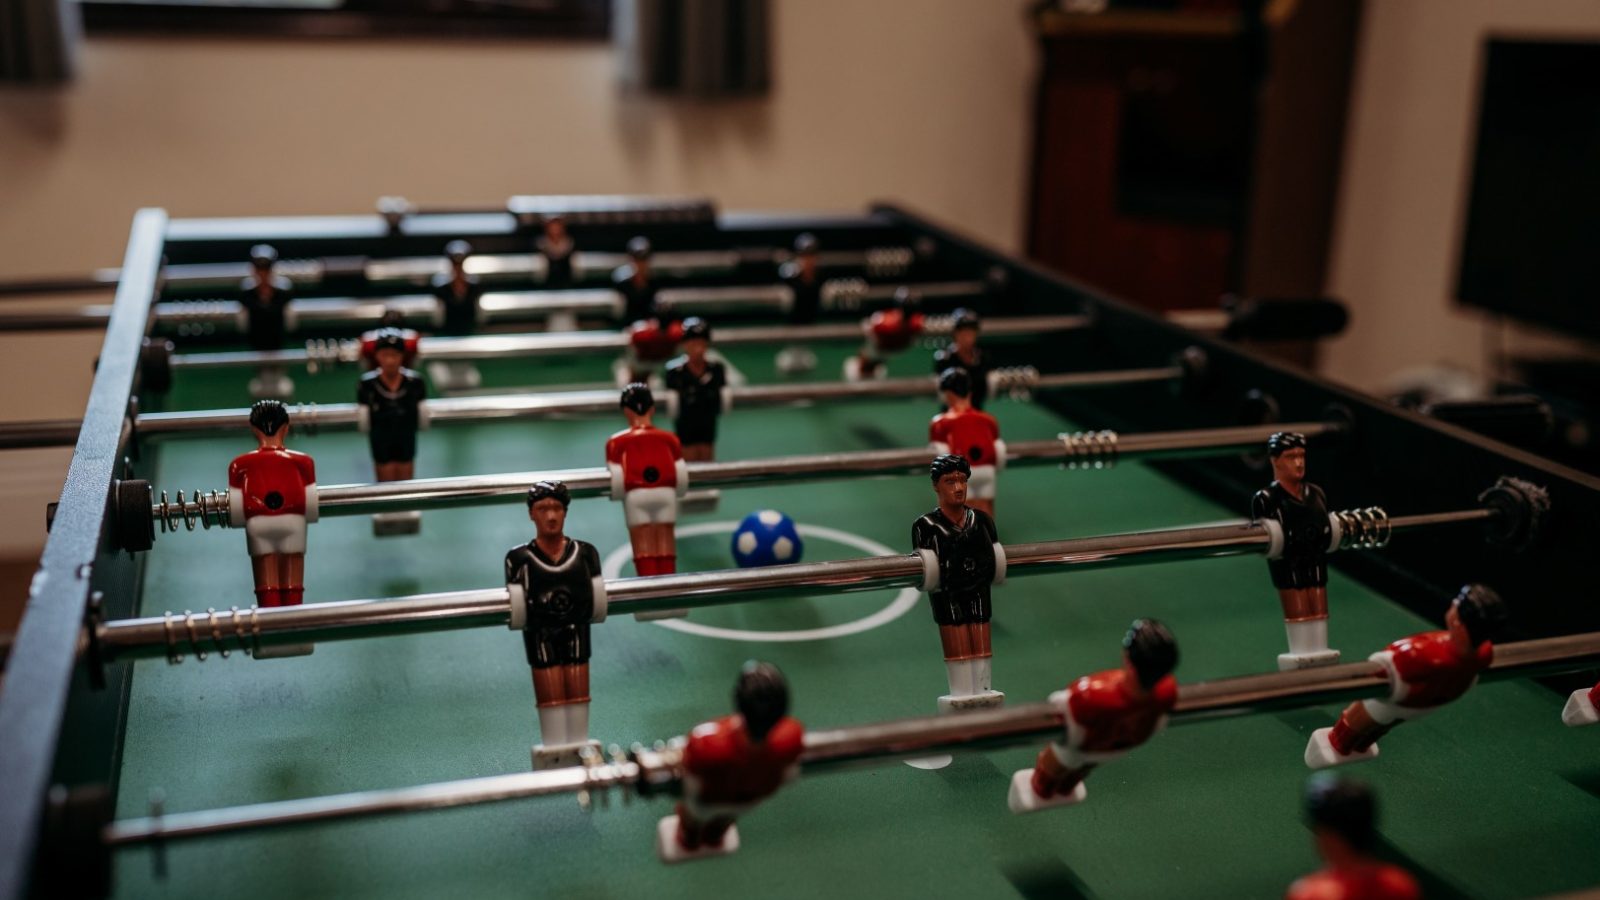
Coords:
766,538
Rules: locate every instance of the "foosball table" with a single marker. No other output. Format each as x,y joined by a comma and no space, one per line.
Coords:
349,711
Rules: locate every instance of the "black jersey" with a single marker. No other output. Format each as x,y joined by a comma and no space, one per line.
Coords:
699,399
947,358
807,293
560,599
558,259
392,415
966,564
265,322
1306,534
460,308
639,300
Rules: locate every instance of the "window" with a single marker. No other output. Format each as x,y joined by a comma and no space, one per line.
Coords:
589,19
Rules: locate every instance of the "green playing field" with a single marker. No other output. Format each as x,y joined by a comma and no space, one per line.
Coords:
1491,797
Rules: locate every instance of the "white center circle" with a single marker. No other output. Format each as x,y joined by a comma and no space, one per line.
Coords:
902,603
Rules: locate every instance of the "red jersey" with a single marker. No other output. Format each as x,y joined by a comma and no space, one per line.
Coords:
653,343
733,769
971,433
1594,695
1432,672
1376,881
648,457
273,481
369,348
1112,718
892,330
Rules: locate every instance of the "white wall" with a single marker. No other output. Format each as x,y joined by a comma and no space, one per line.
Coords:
926,102
1407,167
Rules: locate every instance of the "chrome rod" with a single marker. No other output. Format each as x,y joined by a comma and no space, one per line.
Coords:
1086,449
175,635
559,344
312,418
837,748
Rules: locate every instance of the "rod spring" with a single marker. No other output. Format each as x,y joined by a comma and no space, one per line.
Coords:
204,508
1090,449
843,293
886,262
210,631
1363,529
331,352
1017,382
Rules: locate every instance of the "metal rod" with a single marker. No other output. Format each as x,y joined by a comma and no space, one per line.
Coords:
174,635
1085,449
313,418
832,749
228,316
559,344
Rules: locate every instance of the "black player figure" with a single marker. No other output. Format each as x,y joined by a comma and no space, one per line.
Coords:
699,383
459,294
556,581
1300,573
966,546
458,291
556,246
265,297
634,281
804,279
963,353
392,396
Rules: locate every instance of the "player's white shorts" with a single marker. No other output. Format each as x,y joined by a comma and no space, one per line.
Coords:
1384,712
650,506
981,483
282,533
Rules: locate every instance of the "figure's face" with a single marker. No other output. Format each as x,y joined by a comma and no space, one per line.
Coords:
555,229
952,489
966,339
696,348
1289,466
1452,622
389,360
808,264
549,516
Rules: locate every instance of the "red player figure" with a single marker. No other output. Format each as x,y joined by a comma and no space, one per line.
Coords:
1107,714
648,474
458,294
731,765
556,245
391,320
963,353
1425,672
699,384
556,592
1343,818
651,342
969,432
265,297
962,560
272,492
1583,707
1298,511
888,331
804,279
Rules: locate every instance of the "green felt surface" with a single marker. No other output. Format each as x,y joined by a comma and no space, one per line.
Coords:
1491,797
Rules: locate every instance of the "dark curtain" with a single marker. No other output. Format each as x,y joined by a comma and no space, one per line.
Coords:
38,40
703,48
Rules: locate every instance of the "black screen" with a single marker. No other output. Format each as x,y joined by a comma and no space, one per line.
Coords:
1532,244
